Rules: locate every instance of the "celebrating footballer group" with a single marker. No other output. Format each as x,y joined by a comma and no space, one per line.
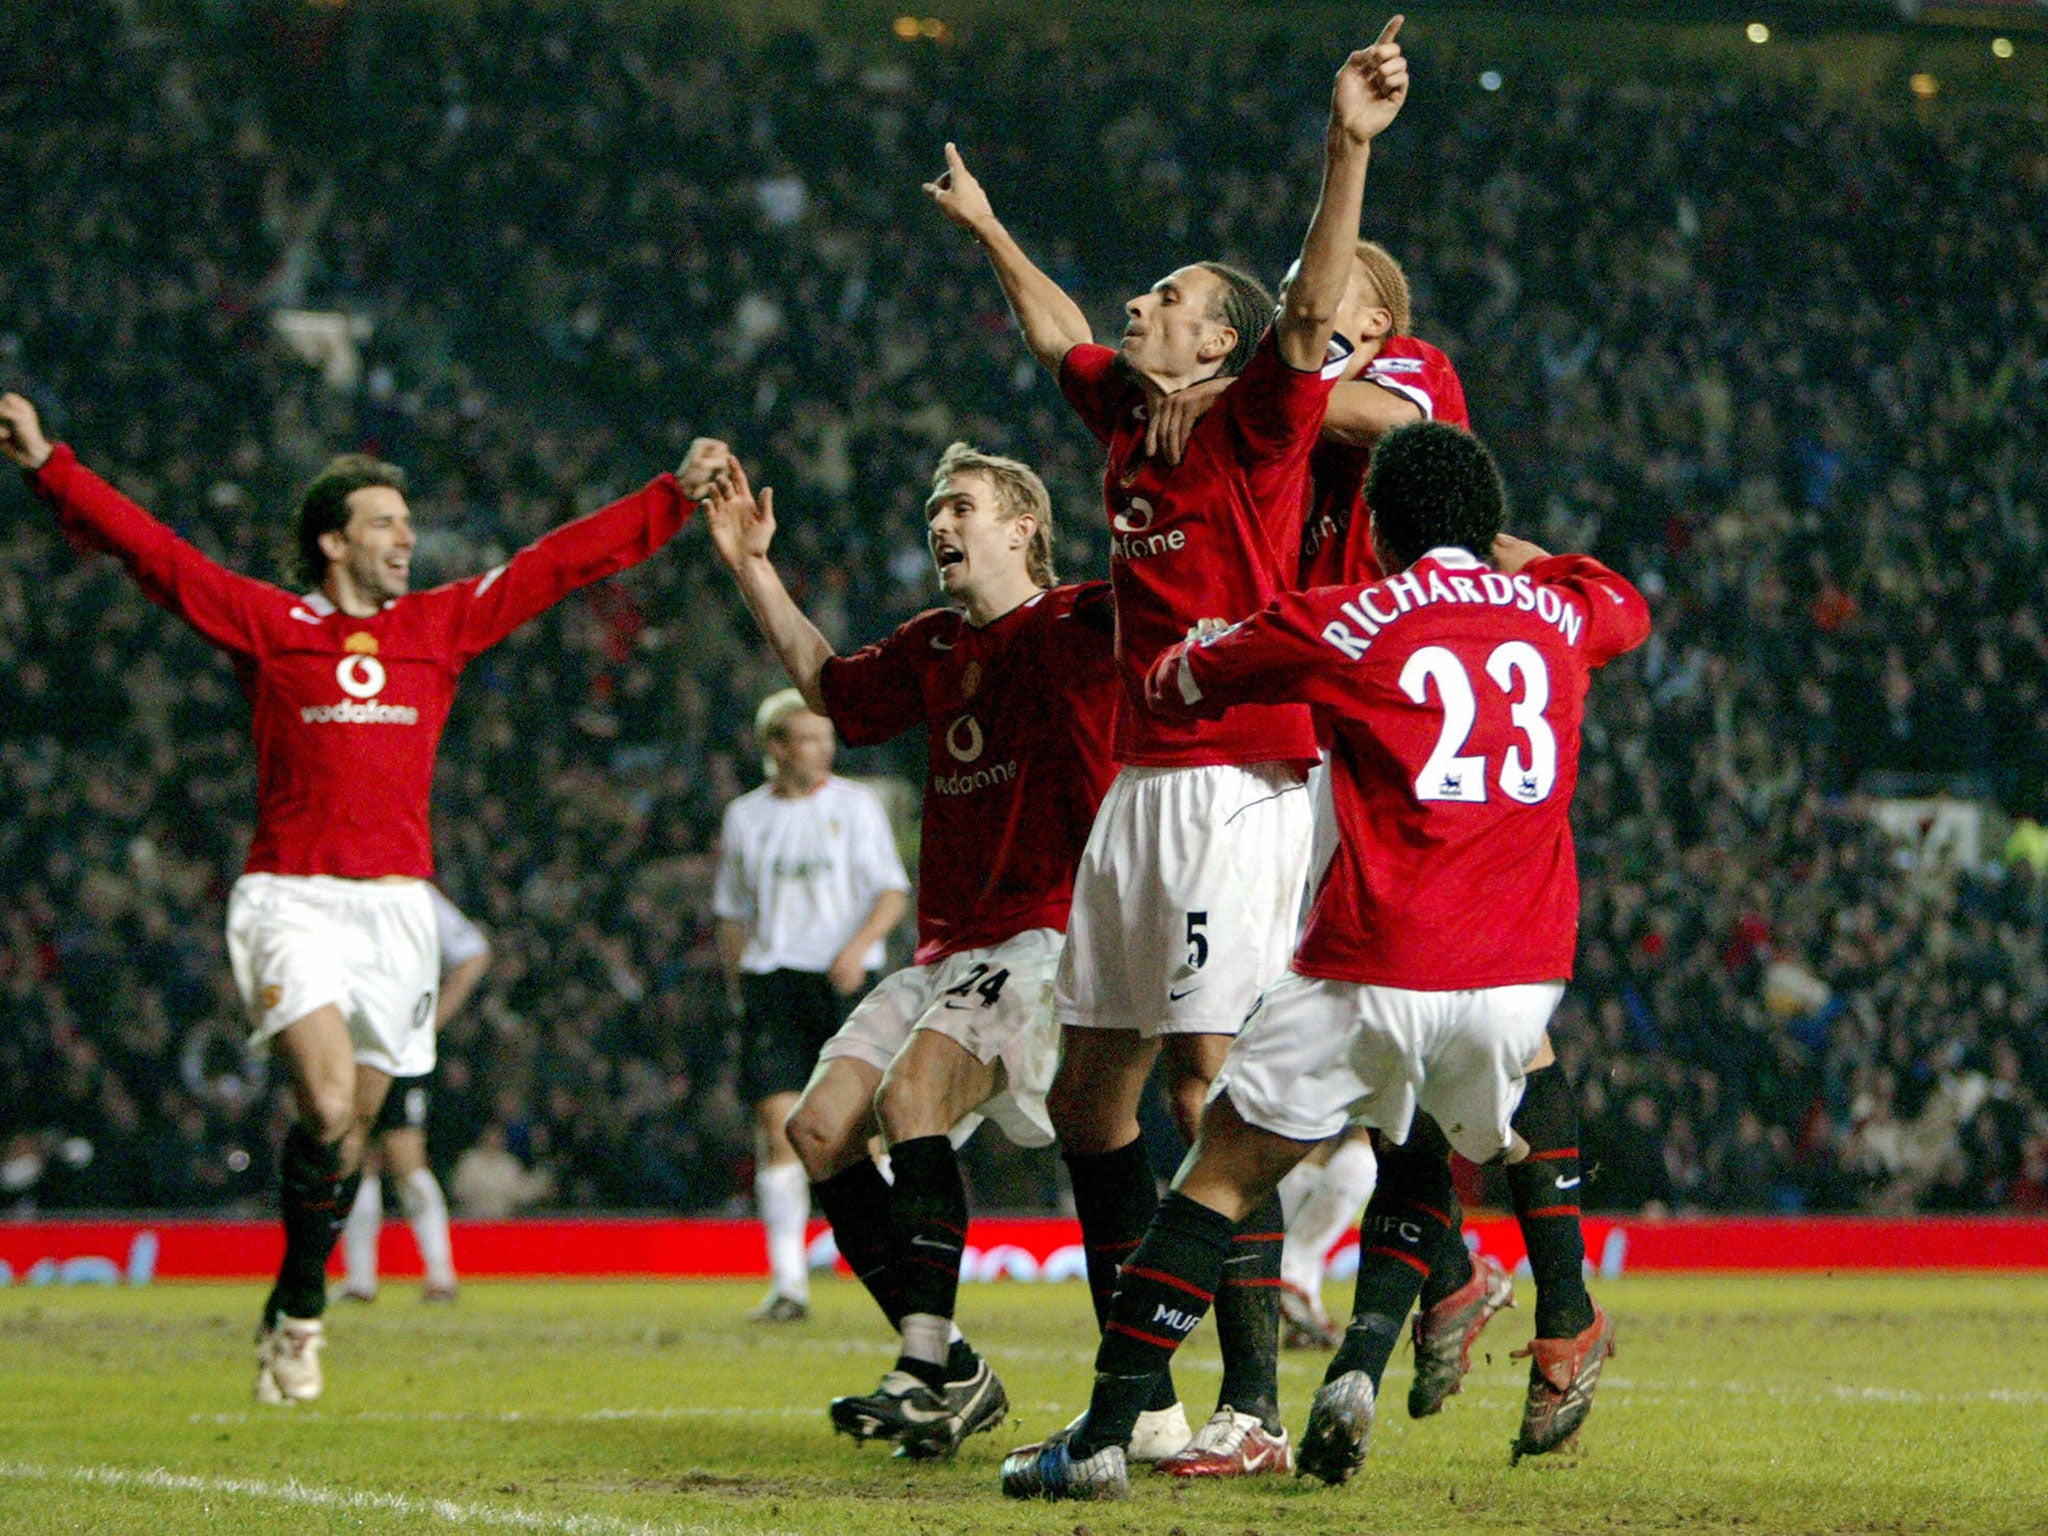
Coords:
1320,671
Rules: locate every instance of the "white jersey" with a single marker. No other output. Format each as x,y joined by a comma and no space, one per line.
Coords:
803,874
461,940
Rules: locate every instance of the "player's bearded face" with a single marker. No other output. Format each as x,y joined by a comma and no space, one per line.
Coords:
1170,333
970,535
379,540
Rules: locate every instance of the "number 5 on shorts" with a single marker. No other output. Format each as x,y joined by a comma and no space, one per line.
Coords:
1198,941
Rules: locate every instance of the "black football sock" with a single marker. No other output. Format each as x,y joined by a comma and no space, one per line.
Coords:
1165,1290
1413,1195
1115,1194
316,1196
1248,1316
1545,1189
861,1207
931,1213
1444,1251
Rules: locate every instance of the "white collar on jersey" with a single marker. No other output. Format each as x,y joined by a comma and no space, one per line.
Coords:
319,602
1453,558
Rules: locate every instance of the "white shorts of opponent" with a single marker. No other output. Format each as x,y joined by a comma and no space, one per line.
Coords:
1187,899
1317,1056
996,1003
300,942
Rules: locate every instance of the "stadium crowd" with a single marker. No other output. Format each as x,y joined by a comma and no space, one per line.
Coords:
1779,358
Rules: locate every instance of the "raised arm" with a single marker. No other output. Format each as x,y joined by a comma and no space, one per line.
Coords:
1052,323
1278,655
487,608
21,434
1362,412
224,606
742,528
1369,92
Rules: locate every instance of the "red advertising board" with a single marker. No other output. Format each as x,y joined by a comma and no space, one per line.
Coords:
137,1251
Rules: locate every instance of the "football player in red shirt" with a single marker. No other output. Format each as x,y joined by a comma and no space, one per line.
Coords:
330,928
1015,686
1186,897
1440,937
1396,379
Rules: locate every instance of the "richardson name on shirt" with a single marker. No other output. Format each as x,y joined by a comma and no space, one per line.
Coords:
1378,606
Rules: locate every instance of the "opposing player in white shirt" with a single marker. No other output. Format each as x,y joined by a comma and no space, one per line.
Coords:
809,885
399,1135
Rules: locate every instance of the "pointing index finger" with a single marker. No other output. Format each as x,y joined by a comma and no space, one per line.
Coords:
1389,31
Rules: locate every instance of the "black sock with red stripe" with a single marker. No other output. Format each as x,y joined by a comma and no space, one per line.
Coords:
1545,1187
316,1196
1405,1220
1165,1291
1115,1194
1444,1251
931,1216
1248,1315
862,1209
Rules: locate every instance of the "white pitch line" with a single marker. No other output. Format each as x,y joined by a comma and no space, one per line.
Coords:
292,1491
298,1415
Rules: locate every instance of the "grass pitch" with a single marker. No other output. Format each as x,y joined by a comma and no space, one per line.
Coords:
1753,1405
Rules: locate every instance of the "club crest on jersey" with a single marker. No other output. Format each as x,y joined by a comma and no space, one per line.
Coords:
970,680
964,740
361,643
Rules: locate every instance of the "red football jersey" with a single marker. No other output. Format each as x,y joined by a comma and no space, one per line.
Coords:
1456,694
348,712
1018,717
1214,537
1336,535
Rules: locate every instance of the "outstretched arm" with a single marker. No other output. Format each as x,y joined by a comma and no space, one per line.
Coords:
1052,323
742,528
21,434
485,609
223,605
1361,413
1278,655
1369,92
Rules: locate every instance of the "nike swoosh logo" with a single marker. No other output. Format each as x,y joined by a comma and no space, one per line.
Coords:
1570,1183
926,1242
1174,997
304,617
951,1004
941,643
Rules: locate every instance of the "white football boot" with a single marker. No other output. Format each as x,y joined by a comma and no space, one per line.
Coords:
288,1360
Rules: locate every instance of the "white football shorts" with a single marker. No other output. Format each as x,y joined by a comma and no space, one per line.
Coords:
1317,1056
996,1003
1188,899
300,942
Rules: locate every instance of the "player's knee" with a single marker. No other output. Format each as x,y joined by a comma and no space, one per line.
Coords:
329,1116
817,1142
905,1111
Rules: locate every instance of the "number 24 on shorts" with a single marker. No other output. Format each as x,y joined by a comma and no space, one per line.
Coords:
981,980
